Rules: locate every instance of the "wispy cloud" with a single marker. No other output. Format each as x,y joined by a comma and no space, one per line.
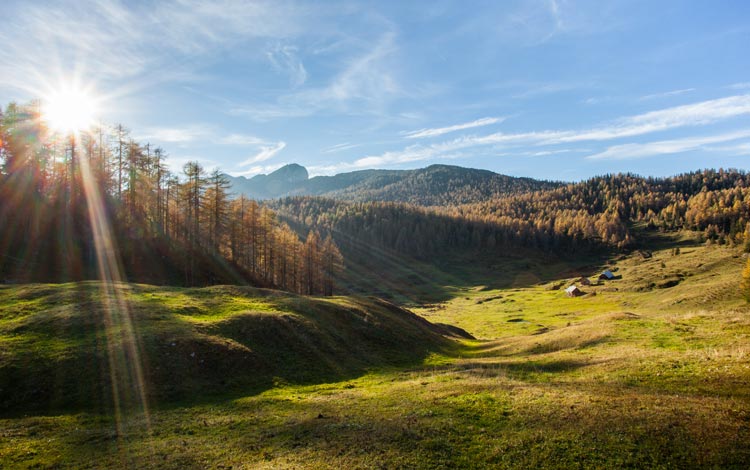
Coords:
738,149
739,86
696,114
241,139
410,154
198,132
421,133
548,89
532,23
701,113
650,149
546,153
47,39
597,100
286,59
266,153
258,170
174,134
364,85
704,112
340,147
666,94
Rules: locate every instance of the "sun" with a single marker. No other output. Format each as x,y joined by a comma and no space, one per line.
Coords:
69,109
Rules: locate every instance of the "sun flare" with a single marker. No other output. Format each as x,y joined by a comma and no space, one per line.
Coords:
69,110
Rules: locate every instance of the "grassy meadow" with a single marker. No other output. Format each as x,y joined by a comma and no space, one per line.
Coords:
651,370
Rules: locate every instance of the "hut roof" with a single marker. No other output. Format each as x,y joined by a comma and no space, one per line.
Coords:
573,291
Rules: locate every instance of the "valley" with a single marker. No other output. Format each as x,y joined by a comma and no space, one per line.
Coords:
633,374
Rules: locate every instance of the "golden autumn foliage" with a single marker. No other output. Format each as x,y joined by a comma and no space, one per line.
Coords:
745,282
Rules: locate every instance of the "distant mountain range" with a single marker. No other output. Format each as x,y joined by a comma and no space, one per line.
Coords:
434,185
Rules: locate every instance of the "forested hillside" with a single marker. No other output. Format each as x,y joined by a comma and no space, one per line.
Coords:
99,203
436,185
595,214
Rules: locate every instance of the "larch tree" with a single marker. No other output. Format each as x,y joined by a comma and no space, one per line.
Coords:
194,188
311,263
121,136
745,282
217,206
332,264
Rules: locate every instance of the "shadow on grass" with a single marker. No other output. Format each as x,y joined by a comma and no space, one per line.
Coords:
517,347
65,359
407,281
514,369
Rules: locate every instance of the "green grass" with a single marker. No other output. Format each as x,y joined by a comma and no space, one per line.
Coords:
636,376
58,345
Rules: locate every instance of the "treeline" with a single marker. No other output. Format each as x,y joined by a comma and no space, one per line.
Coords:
603,208
362,227
592,215
169,228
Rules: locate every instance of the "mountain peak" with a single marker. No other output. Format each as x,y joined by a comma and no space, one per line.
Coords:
291,173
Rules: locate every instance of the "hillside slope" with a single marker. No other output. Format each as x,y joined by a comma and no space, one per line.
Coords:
61,344
431,186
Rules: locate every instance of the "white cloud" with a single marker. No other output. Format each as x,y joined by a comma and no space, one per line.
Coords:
285,59
545,153
174,134
736,150
421,133
198,132
666,94
364,85
739,86
702,113
258,170
410,154
340,147
548,89
266,152
128,46
636,150
366,77
241,139
105,40
596,100
696,114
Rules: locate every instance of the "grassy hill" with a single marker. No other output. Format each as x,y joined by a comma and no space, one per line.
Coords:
58,342
649,370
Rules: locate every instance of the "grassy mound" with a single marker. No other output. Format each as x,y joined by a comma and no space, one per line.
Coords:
61,344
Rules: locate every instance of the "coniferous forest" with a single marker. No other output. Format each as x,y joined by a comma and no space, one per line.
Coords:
166,228
597,214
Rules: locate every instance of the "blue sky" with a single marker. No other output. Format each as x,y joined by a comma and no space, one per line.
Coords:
548,89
